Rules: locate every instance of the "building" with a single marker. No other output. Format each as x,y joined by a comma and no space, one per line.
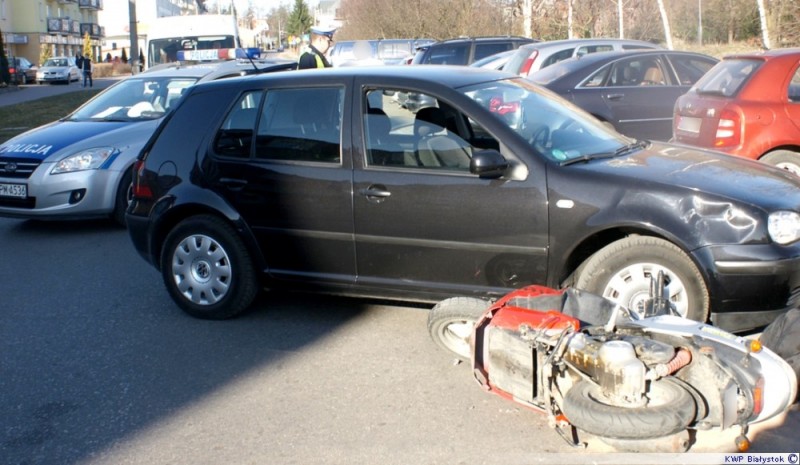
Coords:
29,26
328,13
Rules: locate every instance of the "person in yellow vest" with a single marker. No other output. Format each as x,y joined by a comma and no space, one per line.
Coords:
314,55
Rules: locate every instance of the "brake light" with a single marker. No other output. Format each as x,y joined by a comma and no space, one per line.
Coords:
729,129
526,67
12,70
140,189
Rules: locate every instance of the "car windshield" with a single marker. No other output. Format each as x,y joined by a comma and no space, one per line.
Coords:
134,99
56,62
554,127
727,77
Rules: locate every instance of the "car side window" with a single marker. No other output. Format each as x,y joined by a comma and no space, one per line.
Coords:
483,50
690,69
642,71
449,54
561,55
404,129
235,136
301,125
794,87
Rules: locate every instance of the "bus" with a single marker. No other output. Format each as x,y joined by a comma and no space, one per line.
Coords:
193,37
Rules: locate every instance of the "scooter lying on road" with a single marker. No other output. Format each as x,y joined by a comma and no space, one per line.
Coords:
637,381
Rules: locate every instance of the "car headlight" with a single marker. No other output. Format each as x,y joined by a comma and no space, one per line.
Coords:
784,227
90,159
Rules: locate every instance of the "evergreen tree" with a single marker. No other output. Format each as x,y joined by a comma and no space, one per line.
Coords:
124,57
300,20
5,75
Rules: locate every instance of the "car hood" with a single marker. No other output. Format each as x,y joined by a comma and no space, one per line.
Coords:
665,166
50,140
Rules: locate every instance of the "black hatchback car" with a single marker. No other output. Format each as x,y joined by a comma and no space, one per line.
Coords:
634,91
318,180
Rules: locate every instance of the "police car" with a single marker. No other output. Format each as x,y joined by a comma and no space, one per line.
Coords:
80,165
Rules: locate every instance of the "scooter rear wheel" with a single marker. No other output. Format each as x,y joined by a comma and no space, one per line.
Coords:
670,410
451,321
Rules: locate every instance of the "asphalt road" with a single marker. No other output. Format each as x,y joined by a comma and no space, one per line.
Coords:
97,366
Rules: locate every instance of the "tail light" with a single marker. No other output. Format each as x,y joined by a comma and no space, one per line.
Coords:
526,67
758,397
140,188
12,71
729,129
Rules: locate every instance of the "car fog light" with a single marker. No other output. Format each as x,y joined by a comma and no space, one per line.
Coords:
76,196
784,227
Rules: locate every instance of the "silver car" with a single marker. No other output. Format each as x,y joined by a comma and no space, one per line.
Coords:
81,165
530,58
58,69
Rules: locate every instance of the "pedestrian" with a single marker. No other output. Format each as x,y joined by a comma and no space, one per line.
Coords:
86,66
314,55
79,61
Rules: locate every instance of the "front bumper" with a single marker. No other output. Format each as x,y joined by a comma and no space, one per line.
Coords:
750,285
82,194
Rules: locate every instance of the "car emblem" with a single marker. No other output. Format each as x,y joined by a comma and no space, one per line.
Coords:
11,167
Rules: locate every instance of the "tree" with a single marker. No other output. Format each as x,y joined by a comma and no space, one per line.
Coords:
300,20
45,52
762,15
87,45
665,22
5,75
124,57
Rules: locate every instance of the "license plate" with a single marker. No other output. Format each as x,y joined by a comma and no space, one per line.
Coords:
14,190
690,124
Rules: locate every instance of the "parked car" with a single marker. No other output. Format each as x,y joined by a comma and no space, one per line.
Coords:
315,180
58,69
80,165
370,52
465,50
530,58
22,71
496,61
748,105
634,91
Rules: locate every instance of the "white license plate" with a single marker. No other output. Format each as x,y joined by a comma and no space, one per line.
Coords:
13,190
690,124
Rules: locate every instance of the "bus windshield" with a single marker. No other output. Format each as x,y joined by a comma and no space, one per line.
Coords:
166,50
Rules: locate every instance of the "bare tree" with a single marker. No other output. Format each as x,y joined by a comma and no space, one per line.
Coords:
762,15
665,22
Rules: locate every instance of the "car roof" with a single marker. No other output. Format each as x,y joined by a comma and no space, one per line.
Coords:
765,54
485,39
215,70
453,76
594,59
600,40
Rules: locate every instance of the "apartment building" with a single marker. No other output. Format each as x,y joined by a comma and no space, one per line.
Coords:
28,26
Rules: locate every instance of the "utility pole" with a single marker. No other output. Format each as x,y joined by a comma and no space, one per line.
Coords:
134,58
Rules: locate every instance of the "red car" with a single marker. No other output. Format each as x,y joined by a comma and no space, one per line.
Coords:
747,105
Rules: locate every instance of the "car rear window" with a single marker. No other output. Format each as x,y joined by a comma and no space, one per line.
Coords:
727,77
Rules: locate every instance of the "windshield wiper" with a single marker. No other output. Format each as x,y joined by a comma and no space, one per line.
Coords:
625,149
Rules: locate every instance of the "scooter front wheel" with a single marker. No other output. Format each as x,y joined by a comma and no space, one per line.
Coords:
451,322
671,408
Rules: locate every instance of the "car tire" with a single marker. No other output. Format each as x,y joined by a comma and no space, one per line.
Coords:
784,159
123,198
622,272
207,269
451,322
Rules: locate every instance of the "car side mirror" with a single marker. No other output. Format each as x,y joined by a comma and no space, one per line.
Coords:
488,164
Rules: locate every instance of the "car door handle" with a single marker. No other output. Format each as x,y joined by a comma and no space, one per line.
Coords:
232,183
375,193
615,96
